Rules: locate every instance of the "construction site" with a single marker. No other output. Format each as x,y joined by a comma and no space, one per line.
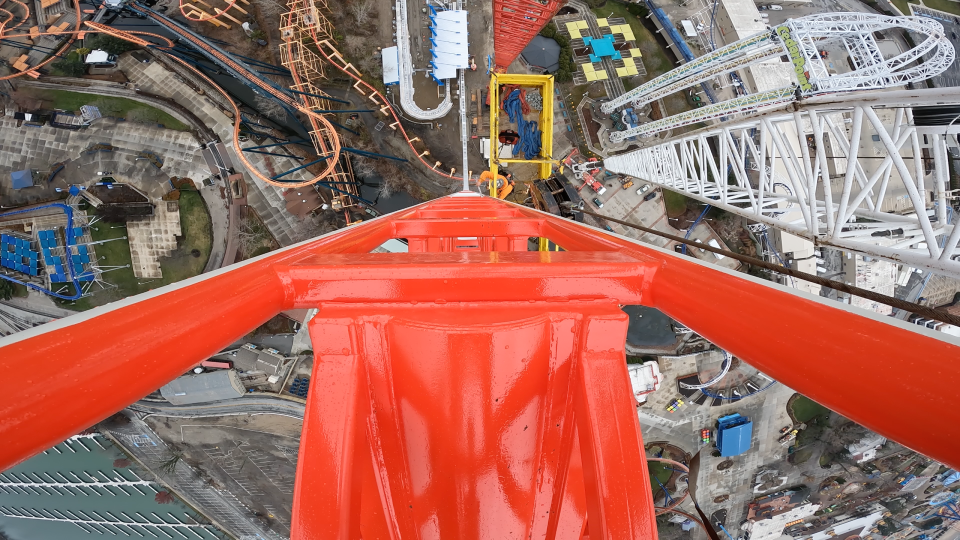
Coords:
480,269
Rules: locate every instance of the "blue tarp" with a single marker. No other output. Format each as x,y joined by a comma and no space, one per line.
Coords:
21,179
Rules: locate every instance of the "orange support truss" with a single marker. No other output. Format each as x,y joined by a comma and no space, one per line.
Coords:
515,23
471,388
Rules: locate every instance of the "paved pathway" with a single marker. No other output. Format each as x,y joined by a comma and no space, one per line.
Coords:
613,85
154,77
217,201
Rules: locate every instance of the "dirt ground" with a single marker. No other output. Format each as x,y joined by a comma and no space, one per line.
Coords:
254,457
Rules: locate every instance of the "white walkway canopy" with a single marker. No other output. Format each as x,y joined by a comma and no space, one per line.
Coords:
448,43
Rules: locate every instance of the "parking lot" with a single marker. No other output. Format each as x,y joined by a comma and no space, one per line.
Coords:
253,456
629,205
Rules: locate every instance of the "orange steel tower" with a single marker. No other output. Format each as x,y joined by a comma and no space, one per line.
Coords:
515,23
470,388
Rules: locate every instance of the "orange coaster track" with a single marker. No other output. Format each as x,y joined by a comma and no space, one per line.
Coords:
326,140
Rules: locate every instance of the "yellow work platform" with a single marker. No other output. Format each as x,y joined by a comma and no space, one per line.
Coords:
545,84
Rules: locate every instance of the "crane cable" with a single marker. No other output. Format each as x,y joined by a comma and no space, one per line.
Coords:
917,309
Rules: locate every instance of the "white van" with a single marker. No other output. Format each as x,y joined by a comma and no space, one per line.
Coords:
774,7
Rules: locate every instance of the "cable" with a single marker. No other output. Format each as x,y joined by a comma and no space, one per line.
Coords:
766,240
927,312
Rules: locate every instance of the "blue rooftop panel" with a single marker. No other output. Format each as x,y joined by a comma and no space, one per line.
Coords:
603,46
734,440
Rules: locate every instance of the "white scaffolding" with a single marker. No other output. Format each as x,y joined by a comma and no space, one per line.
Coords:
801,41
830,170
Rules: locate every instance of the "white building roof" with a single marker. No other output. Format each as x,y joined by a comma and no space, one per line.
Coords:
214,386
874,275
391,65
449,43
772,74
745,19
97,57
644,378
772,527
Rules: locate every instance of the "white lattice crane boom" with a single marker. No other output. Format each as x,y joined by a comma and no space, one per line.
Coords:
801,41
865,172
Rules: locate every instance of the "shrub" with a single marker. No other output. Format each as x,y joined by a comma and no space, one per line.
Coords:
110,44
71,66
566,67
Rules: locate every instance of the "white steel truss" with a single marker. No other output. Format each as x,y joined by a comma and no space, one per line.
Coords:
801,41
853,171
92,521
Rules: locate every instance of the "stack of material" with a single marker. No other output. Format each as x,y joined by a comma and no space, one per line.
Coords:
535,100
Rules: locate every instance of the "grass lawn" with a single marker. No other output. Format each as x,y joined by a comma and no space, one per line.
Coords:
901,5
110,106
180,265
801,456
658,471
943,5
805,409
676,203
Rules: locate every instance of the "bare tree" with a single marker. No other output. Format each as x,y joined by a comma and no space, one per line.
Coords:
362,10
167,463
355,46
363,167
391,178
252,234
371,65
312,226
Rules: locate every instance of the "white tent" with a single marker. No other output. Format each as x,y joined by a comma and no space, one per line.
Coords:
391,66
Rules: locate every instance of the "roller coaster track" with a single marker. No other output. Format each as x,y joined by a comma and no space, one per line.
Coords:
26,14
54,56
324,136
332,57
325,139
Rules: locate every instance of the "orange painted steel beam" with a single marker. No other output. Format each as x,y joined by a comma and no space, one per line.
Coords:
467,392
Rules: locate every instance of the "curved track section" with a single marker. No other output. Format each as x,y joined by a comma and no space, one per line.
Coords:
324,136
724,368
248,404
332,57
406,72
325,139
801,41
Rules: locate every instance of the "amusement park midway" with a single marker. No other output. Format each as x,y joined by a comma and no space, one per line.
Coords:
244,242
